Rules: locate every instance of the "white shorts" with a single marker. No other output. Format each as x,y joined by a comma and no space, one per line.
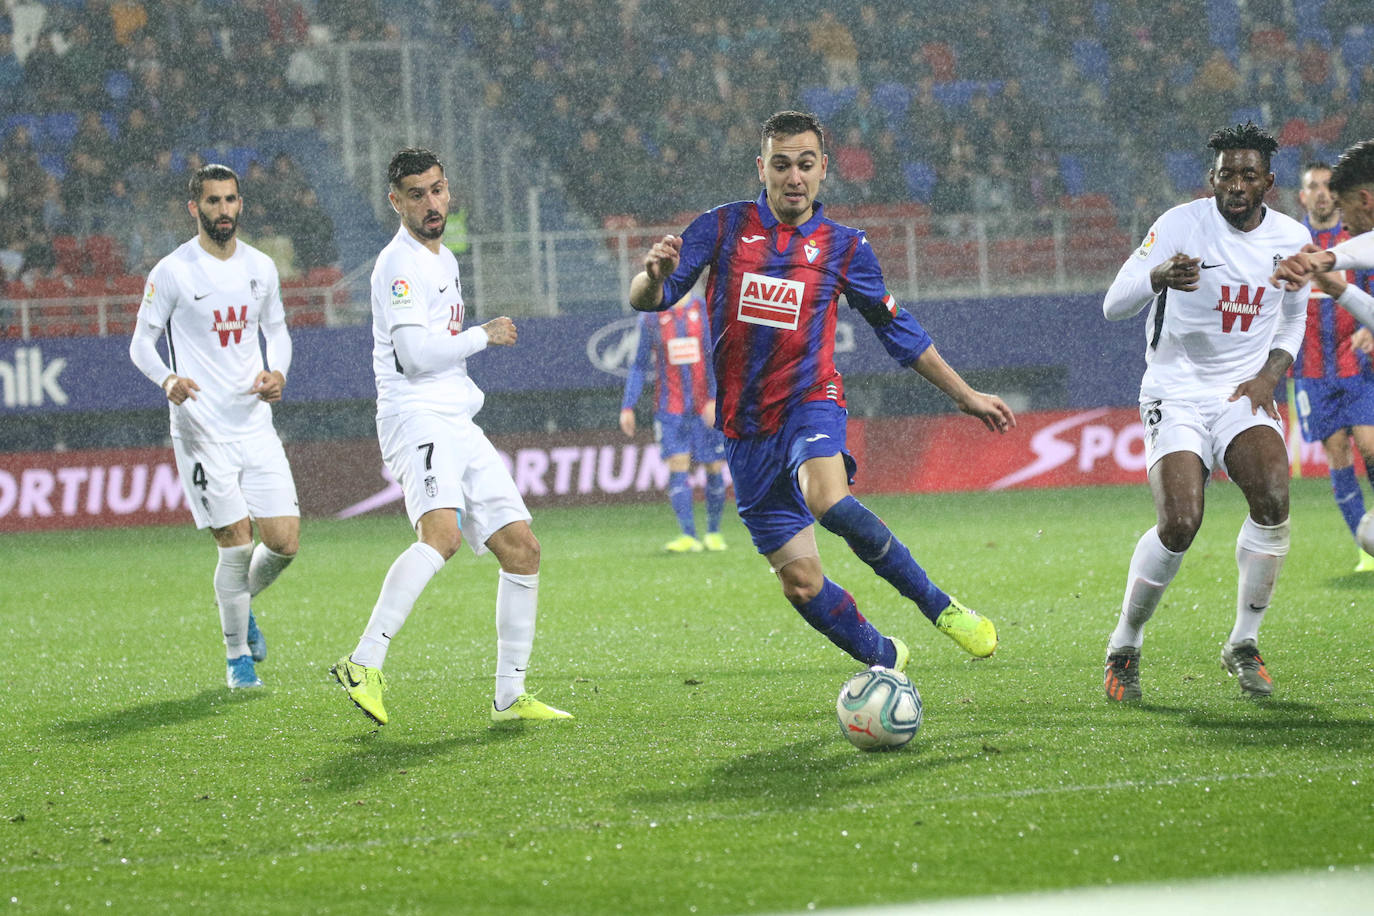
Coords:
1203,426
448,463
226,482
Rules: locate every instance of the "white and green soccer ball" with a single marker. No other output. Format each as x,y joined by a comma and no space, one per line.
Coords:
879,709
1364,534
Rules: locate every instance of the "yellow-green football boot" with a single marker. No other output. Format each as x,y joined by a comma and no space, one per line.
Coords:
971,630
527,707
363,685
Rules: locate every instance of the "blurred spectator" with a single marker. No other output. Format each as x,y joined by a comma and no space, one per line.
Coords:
83,193
11,76
312,232
46,77
832,41
952,199
127,19
139,140
994,190
26,175
87,63
926,122
93,139
1213,93
889,181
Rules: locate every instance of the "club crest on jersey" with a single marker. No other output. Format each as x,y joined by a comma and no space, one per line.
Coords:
1239,306
455,319
683,351
231,325
431,487
257,289
770,301
810,250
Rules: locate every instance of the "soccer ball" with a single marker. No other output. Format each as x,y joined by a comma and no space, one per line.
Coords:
879,709
1364,533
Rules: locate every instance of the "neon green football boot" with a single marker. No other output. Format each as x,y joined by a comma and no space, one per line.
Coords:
971,630
903,654
363,685
684,543
527,707
713,541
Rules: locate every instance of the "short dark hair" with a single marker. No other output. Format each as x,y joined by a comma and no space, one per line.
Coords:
1354,169
212,172
411,161
790,124
1244,136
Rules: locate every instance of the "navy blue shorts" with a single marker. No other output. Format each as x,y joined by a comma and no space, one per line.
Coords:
686,434
1327,407
764,471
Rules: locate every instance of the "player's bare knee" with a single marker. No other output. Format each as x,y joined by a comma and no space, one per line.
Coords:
445,543
800,581
1176,531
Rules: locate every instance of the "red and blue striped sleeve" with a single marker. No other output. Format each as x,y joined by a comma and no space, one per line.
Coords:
896,328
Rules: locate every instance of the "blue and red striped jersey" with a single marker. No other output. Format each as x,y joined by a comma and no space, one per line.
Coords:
1326,352
676,341
772,296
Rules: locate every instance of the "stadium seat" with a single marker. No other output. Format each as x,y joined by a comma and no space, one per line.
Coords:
118,85
1357,48
1093,212
920,180
1247,113
1185,170
1072,173
126,284
68,251
945,260
88,286
826,103
1099,252
320,277
57,132
892,99
1022,257
103,255
1092,60
55,164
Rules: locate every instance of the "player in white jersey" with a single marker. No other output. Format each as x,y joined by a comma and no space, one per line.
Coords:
1220,338
1352,183
209,298
454,481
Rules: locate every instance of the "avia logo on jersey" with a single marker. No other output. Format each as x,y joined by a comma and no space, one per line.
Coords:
770,302
1239,306
233,325
683,351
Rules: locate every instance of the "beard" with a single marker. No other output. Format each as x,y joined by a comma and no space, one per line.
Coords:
219,234
427,233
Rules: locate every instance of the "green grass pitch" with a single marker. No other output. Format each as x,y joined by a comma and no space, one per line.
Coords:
705,772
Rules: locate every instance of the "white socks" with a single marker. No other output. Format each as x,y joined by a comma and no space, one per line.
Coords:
231,593
1153,567
404,582
1260,551
517,598
266,566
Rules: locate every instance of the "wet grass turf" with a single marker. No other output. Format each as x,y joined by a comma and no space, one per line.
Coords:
705,771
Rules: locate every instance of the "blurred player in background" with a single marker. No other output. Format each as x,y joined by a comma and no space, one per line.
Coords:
1333,374
777,267
454,482
1352,184
210,297
676,341
1220,339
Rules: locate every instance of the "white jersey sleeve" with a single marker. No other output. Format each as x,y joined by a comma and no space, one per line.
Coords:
1131,291
1356,253
1358,303
419,290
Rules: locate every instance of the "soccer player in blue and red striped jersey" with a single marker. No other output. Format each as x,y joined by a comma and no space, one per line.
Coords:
1333,374
676,342
776,270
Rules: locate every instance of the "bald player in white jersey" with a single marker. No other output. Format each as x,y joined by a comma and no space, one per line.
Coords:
209,298
1220,337
454,481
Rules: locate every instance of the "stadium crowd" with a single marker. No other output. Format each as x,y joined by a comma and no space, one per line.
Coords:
644,110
